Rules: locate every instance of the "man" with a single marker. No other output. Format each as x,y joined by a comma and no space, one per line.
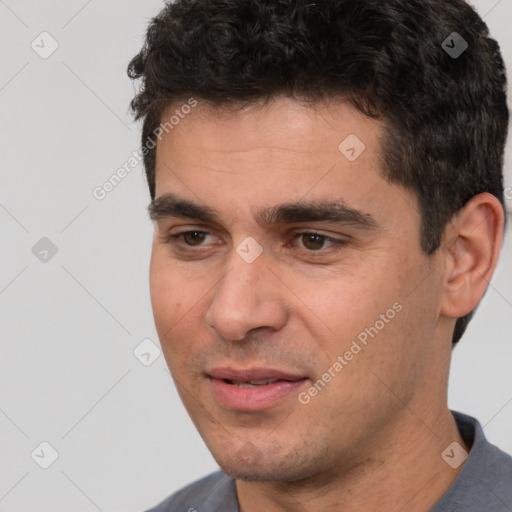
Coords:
326,185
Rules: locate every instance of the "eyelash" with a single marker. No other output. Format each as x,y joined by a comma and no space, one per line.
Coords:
169,239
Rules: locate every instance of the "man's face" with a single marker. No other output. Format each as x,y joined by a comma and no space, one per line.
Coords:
225,310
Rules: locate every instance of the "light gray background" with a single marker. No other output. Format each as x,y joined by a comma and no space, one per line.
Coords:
70,325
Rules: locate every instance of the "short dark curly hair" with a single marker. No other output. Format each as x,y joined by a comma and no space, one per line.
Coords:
445,114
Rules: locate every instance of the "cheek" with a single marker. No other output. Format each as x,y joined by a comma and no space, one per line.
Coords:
169,295
178,309
371,309
348,303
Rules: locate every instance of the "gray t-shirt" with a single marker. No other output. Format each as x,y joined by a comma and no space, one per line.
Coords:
483,485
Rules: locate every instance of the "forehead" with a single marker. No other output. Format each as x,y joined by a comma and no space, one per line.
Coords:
283,151
281,121
269,136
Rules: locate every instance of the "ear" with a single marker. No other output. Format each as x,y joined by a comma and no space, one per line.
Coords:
472,244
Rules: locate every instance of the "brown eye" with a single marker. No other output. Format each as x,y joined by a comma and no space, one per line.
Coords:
187,239
194,237
313,241
316,242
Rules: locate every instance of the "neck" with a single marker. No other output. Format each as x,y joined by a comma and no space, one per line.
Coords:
401,470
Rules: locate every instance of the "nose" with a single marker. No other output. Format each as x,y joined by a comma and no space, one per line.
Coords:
246,298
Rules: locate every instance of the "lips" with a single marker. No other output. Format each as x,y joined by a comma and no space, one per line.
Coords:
253,389
252,375
252,383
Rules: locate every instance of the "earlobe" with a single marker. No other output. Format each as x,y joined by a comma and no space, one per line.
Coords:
474,237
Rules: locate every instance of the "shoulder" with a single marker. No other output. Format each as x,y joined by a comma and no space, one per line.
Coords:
491,463
485,482
213,492
495,478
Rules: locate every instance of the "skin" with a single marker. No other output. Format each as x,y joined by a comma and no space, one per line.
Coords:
372,438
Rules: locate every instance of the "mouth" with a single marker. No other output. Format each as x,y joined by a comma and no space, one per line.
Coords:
253,383
253,389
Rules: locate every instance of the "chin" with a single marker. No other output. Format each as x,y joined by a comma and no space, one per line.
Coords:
262,473
250,464
283,473
250,474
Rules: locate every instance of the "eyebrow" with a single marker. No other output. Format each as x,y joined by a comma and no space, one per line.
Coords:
170,205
